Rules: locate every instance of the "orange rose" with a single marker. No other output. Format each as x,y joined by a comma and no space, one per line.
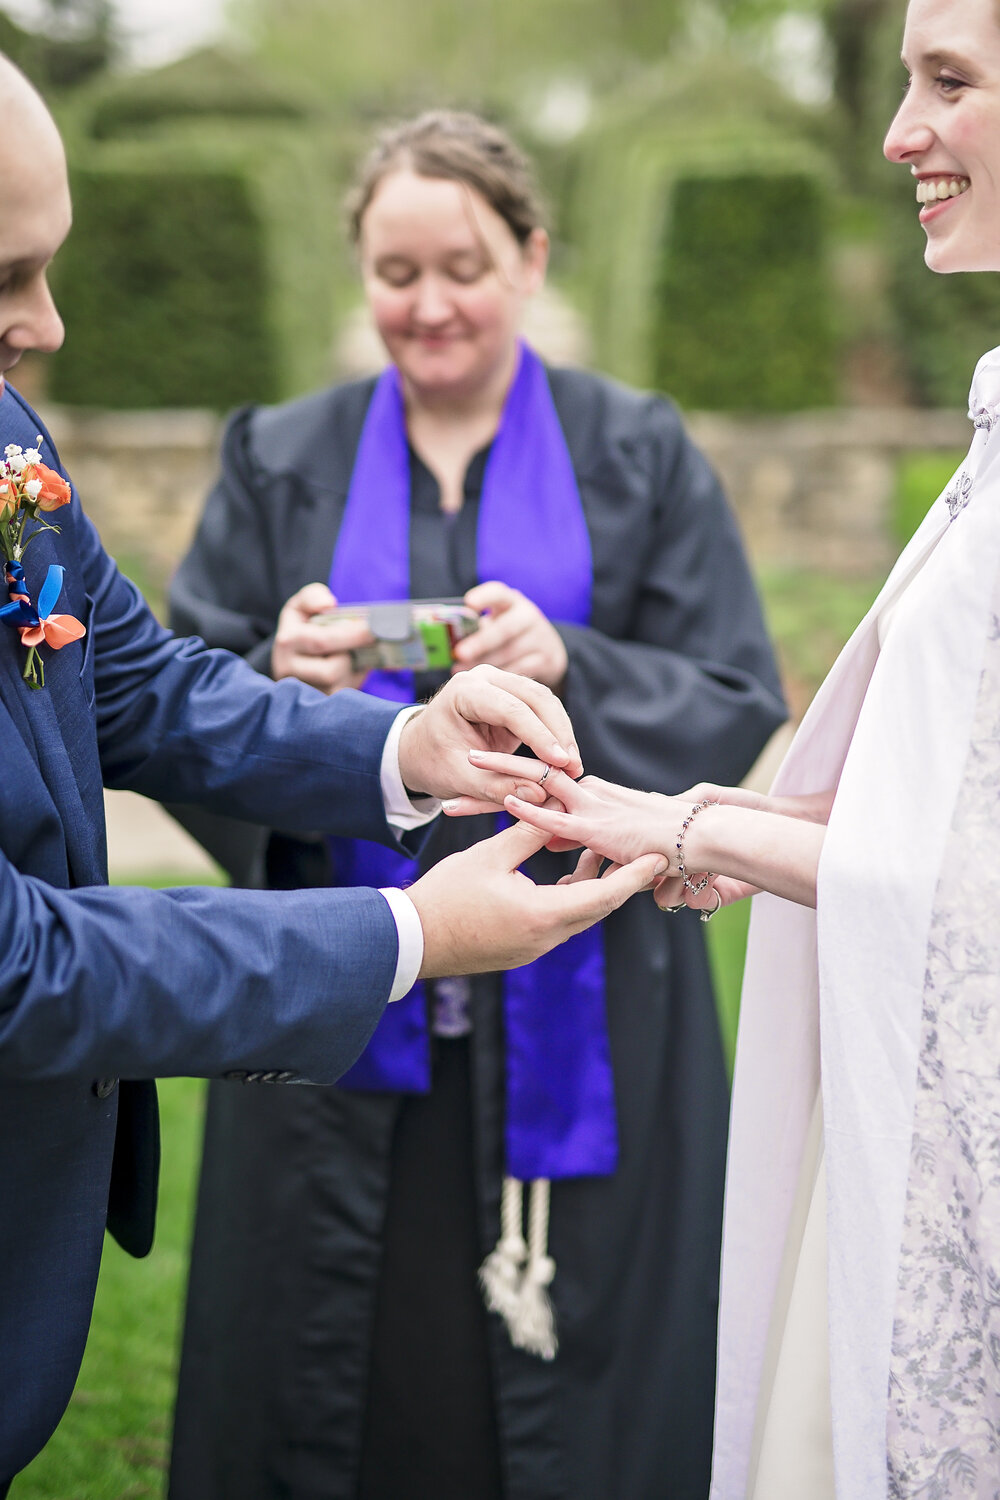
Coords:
54,491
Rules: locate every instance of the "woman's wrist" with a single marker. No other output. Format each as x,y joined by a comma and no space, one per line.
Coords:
686,855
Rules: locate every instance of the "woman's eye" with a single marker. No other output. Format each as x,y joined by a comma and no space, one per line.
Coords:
466,275
396,278
949,85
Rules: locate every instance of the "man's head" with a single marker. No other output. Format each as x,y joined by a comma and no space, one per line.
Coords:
35,216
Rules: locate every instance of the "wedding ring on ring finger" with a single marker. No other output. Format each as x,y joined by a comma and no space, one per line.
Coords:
544,775
706,915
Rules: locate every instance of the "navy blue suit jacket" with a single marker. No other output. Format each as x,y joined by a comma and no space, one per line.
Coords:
98,983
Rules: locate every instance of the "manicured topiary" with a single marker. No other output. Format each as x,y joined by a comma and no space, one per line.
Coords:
699,216
199,271
743,317
212,82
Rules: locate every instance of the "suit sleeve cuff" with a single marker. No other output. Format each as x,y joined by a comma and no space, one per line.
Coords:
402,811
411,942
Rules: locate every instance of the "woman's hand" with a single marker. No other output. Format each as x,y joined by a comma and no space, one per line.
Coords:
313,652
750,841
613,821
513,634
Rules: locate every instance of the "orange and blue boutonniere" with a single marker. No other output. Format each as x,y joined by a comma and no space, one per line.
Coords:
27,487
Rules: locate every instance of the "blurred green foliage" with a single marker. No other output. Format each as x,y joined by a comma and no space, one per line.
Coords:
699,213
920,479
199,270
942,323
742,314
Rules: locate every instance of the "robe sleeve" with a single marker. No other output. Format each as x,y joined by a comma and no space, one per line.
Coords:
684,686
226,593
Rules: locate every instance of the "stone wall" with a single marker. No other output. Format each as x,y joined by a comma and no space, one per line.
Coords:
811,491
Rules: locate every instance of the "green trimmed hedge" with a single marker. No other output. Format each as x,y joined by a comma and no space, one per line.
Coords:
199,272
743,316
212,82
699,219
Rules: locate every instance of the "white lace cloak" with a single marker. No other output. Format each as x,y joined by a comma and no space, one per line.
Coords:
896,728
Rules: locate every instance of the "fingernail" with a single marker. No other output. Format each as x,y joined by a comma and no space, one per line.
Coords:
558,750
662,867
523,792
450,804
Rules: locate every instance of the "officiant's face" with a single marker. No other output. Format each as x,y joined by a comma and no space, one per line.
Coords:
446,281
947,130
34,222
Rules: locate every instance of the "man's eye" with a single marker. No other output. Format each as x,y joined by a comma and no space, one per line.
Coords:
949,85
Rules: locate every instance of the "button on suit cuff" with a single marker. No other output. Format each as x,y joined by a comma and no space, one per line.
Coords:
402,811
411,942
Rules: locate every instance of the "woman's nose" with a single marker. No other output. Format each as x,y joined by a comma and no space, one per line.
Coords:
432,303
909,135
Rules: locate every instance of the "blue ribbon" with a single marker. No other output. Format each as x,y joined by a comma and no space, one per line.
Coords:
21,611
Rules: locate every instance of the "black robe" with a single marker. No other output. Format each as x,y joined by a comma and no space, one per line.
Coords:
307,1295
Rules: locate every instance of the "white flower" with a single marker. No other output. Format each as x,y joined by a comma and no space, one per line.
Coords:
32,455
17,461
4,489
11,449
39,440
33,489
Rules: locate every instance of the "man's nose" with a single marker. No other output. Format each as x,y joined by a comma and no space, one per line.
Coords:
35,323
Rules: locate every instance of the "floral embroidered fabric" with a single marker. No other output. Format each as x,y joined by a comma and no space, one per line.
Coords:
944,1390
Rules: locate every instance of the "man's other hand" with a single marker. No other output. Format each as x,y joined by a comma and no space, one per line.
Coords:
483,709
479,913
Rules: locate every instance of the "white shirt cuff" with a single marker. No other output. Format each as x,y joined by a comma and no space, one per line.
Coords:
402,811
411,942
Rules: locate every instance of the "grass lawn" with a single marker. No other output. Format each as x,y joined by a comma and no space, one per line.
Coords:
112,1442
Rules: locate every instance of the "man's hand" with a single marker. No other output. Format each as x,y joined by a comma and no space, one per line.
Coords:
479,913
483,709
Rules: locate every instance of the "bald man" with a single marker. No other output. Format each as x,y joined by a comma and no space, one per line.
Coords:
99,985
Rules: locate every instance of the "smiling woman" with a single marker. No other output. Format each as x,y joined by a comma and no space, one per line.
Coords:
947,130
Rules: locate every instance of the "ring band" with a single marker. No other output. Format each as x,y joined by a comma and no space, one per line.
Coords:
706,915
543,775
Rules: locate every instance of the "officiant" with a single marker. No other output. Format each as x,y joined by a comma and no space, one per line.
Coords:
486,1264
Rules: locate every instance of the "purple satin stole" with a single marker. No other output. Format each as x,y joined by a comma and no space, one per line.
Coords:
560,1109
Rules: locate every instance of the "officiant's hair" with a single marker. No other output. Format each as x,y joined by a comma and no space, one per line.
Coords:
463,148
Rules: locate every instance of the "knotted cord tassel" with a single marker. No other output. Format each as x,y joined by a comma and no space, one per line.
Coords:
533,1325
500,1273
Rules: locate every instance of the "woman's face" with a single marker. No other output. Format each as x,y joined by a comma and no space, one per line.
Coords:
947,130
446,281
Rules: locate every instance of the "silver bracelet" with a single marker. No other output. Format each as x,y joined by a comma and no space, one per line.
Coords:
681,870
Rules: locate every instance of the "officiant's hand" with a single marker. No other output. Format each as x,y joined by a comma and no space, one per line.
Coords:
313,651
479,913
513,634
492,711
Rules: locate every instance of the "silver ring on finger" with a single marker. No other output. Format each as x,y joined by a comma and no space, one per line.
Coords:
681,906
543,775
706,915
